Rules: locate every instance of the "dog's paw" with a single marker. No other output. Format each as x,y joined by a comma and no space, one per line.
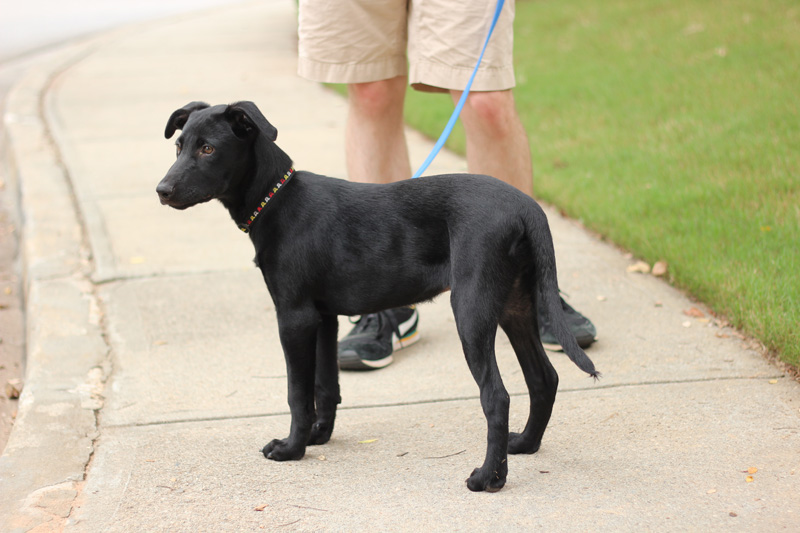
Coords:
517,443
490,480
320,433
280,450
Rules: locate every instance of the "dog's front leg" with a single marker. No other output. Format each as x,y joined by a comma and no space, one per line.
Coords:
298,332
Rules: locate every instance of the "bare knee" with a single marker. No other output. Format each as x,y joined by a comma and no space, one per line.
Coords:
493,112
377,98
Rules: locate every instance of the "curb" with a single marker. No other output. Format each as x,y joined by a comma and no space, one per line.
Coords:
51,443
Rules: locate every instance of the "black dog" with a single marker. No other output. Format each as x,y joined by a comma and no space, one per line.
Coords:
328,247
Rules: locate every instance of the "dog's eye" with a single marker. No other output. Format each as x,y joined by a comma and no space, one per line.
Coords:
177,150
207,149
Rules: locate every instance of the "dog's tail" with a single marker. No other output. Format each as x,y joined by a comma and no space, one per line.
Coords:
547,283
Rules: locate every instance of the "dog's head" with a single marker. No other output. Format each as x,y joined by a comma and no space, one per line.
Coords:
212,151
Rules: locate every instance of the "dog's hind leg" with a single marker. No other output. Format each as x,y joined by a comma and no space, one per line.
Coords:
520,325
326,387
477,328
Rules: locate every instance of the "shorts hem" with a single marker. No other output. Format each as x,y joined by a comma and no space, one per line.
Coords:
434,77
383,69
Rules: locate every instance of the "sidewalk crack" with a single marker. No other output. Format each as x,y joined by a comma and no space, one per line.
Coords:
190,420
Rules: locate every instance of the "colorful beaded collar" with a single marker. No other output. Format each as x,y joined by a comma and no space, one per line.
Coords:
245,226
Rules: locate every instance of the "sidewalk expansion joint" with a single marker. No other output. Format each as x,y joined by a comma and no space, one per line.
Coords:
120,278
190,420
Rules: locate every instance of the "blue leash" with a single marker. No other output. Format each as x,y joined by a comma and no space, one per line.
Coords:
457,111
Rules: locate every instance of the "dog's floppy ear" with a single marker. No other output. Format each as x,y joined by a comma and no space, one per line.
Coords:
246,120
178,119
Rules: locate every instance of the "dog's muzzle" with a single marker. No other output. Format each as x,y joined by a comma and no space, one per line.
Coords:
168,195
165,192
180,198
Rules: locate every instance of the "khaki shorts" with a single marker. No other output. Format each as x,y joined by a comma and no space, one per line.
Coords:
435,42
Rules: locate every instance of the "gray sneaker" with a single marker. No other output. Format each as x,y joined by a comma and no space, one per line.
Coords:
580,326
375,337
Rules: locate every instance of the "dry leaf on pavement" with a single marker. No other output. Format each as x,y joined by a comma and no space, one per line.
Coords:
13,388
640,267
660,268
694,312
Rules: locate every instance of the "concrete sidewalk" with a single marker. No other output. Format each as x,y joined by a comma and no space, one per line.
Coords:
155,373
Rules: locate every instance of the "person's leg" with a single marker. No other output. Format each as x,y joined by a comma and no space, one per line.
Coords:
363,43
376,149
375,141
497,144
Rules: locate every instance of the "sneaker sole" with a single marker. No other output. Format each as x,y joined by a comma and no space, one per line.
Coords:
553,347
405,341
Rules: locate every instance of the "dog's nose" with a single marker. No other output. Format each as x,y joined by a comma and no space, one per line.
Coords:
165,191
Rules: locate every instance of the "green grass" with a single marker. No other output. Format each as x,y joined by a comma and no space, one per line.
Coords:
673,129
